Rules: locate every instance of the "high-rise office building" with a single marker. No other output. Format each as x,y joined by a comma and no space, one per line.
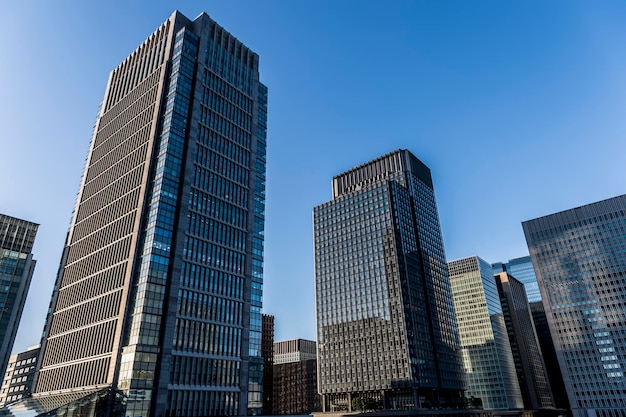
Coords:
385,321
527,356
522,269
487,355
16,271
581,270
158,297
18,379
295,377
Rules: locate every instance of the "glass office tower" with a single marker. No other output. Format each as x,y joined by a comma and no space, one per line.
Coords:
580,261
158,297
17,265
386,330
487,355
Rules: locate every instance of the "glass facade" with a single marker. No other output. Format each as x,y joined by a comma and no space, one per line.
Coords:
522,269
487,356
183,282
385,322
580,261
17,238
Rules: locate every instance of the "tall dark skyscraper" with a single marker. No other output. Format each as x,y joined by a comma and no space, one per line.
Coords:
17,265
385,321
549,355
580,261
529,363
159,292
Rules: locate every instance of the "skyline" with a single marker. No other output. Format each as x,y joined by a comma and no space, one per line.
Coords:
493,108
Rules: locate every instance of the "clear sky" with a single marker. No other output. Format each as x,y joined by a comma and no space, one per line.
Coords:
517,108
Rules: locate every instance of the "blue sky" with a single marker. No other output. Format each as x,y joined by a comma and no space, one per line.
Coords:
517,108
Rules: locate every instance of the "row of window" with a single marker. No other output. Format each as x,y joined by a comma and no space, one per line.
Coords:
205,279
208,307
209,338
219,209
225,146
221,165
215,231
186,370
220,187
211,255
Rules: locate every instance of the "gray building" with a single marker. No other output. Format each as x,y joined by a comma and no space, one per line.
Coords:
579,259
17,265
487,355
527,355
522,269
18,379
158,297
386,329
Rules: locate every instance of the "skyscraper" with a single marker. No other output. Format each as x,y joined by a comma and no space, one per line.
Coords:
487,355
385,321
522,270
581,270
158,297
16,271
529,363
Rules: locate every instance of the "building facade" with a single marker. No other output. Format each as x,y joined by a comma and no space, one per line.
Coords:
487,355
295,378
527,355
522,269
295,350
17,265
18,379
581,270
385,321
267,352
159,293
